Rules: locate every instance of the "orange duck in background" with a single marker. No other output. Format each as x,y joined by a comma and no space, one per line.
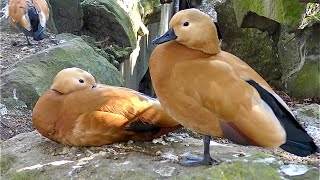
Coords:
30,16
215,93
77,112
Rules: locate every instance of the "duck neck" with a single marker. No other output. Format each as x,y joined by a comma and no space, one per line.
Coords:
211,46
164,58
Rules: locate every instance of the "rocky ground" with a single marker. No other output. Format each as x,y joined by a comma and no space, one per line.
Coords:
17,118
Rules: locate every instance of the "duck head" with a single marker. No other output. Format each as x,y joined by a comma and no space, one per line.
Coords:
194,29
73,79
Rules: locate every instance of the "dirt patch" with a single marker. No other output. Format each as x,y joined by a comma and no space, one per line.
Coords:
14,47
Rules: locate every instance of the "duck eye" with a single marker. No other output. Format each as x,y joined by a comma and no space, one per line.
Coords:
186,24
81,80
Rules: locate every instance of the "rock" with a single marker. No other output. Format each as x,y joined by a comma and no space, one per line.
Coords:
239,170
309,117
32,75
30,156
67,15
104,18
150,11
51,26
285,12
299,51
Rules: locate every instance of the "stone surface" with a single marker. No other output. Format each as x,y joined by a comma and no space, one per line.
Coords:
282,11
32,75
67,15
30,156
151,11
299,52
106,19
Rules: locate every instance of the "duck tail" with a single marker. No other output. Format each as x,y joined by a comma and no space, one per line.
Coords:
298,141
37,31
151,123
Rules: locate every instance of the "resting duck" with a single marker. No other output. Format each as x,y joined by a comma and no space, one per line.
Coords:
77,112
30,16
215,93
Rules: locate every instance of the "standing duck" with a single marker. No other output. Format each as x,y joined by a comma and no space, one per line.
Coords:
77,112
215,93
30,16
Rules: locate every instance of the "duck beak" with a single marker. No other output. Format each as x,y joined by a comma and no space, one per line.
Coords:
94,86
168,36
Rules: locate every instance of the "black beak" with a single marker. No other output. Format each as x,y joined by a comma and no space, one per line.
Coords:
94,86
168,36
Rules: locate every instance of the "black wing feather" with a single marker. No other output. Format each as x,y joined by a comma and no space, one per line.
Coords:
298,141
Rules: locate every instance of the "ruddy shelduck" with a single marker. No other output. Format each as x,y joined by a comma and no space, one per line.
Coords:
215,93
30,16
77,112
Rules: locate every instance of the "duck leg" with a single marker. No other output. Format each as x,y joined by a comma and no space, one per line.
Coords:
205,160
29,43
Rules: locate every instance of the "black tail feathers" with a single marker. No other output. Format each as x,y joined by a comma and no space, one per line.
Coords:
34,18
298,141
140,126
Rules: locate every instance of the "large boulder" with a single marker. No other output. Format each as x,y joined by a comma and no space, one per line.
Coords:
32,75
105,19
299,52
67,15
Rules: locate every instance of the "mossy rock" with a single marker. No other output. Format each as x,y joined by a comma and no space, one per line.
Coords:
299,51
33,75
6,162
236,171
282,11
105,18
151,11
306,83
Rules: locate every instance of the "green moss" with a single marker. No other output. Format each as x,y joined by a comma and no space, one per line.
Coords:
262,155
312,174
286,12
151,11
235,171
306,83
242,7
6,162
27,175
121,54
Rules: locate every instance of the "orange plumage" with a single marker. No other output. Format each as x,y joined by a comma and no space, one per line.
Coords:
77,112
215,93
30,16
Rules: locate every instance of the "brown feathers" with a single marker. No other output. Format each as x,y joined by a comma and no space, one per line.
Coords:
203,87
30,16
80,113
215,93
